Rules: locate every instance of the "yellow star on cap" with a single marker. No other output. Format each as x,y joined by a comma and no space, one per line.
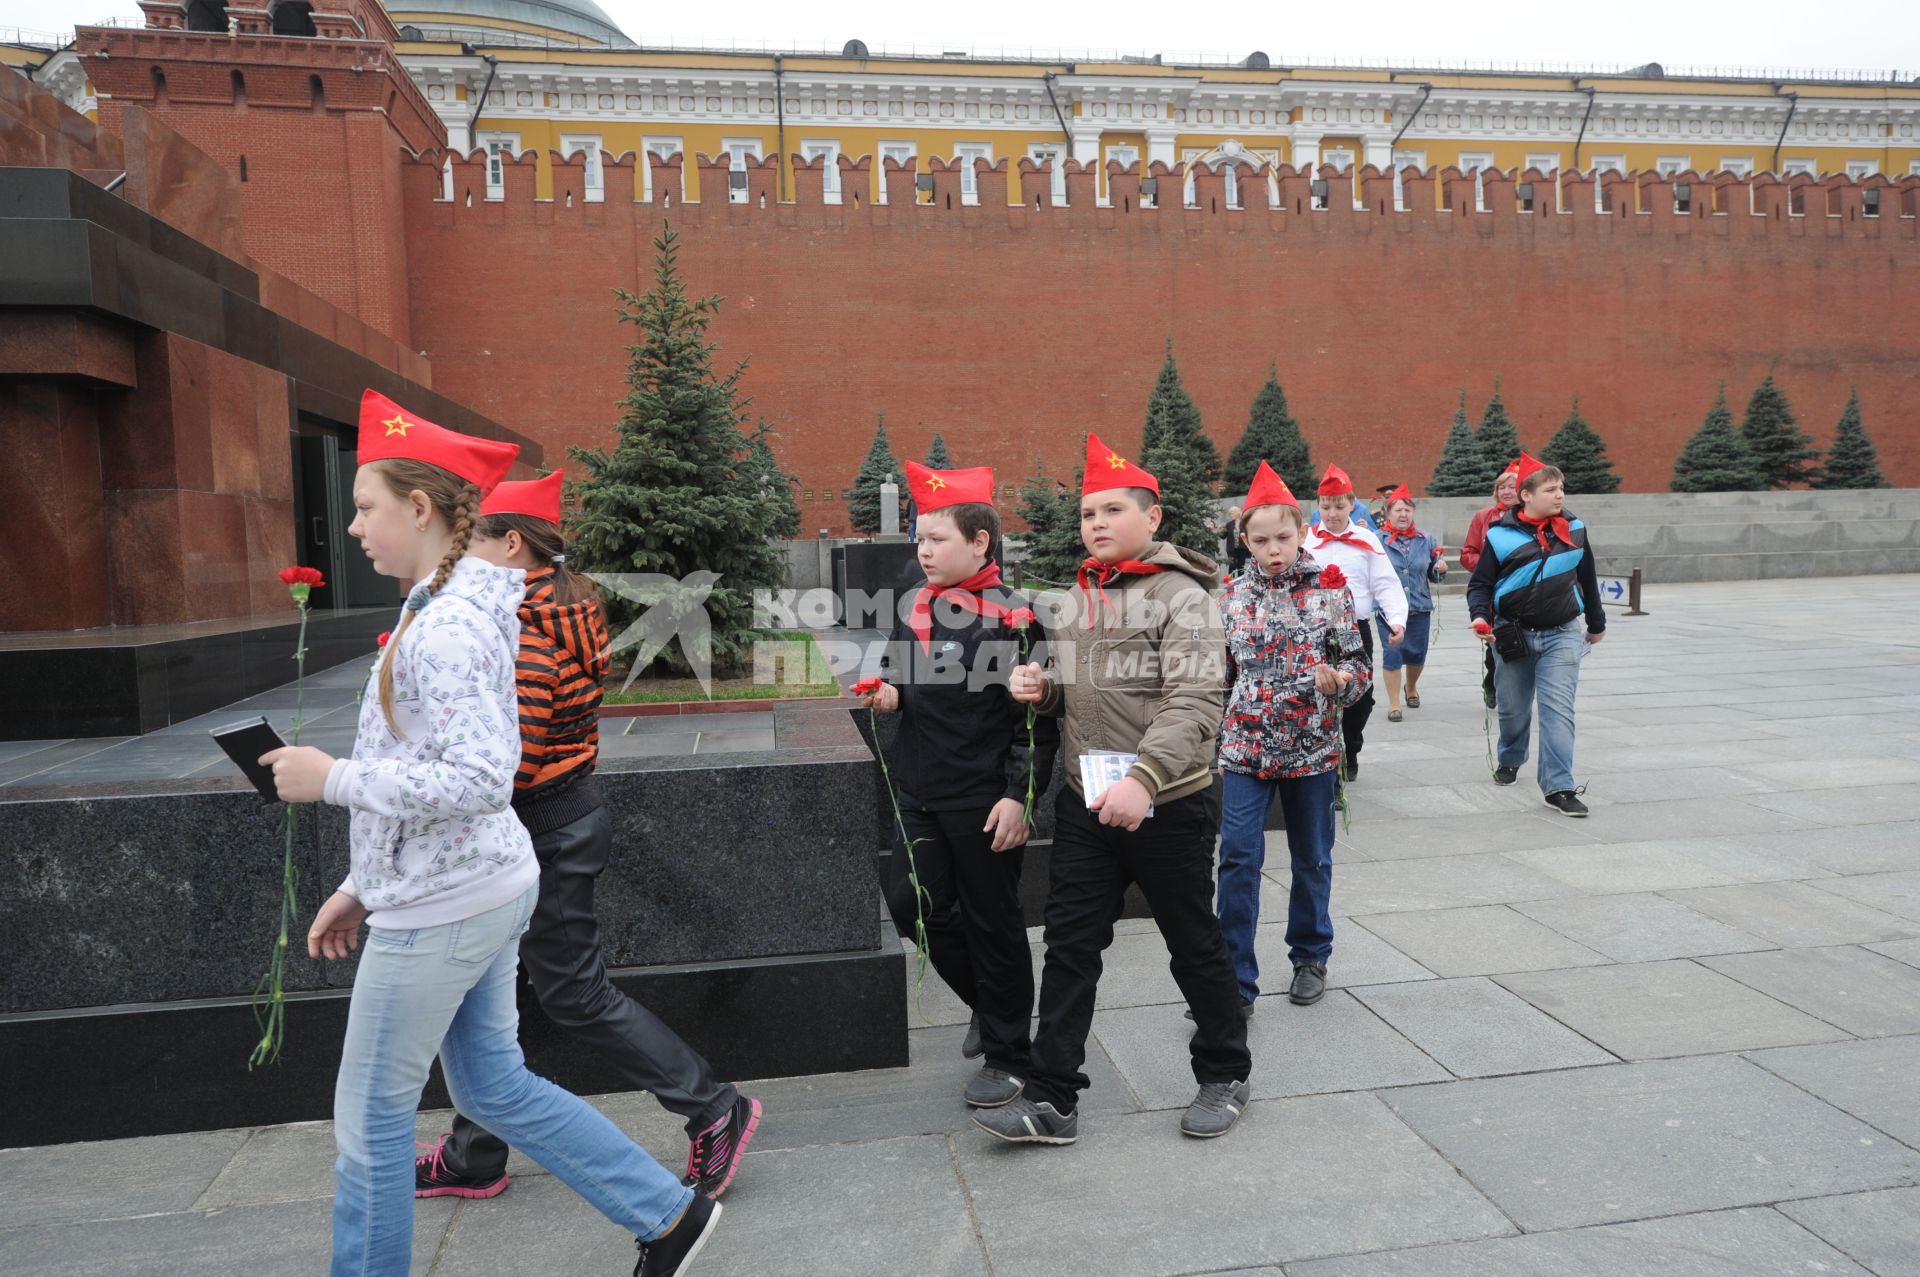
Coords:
1117,461
935,483
397,425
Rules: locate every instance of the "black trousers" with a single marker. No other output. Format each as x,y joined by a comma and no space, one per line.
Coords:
976,929
1353,719
1171,857
561,956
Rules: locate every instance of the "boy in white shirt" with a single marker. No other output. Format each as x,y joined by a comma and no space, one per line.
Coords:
1339,541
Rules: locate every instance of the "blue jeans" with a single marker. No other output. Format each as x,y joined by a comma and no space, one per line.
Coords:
1552,673
1412,647
1307,804
450,990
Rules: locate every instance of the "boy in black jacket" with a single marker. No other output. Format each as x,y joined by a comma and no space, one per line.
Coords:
963,764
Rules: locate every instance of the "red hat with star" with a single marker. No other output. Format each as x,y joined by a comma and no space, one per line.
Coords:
1108,469
936,489
535,498
1400,493
389,432
1335,483
1268,488
1524,465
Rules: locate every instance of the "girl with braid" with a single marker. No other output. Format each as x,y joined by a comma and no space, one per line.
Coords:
444,875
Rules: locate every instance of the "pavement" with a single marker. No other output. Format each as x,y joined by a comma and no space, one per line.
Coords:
1677,1038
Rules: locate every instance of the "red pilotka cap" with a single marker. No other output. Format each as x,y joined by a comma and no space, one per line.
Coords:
1334,483
1108,469
1400,493
1524,465
1267,488
937,489
389,432
535,498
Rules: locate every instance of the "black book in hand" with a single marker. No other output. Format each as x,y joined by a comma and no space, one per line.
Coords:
245,743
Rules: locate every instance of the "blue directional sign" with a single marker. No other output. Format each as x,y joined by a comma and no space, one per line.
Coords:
1613,587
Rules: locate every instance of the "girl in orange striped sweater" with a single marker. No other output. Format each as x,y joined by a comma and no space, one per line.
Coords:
562,659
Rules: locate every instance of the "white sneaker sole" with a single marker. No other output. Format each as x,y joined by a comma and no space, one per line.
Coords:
699,1243
1030,1138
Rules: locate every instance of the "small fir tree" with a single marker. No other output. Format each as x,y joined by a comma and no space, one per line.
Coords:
863,509
776,484
1497,441
1852,462
938,458
1716,459
1273,435
1052,547
1173,421
1457,474
1581,455
679,493
1781,453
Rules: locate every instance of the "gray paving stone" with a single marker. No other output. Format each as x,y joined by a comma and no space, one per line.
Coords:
1479,940
1664,865
1755,1242
1907,951
1836,773
1864,993
109,1179
1419,837
1359,958
1689,818
1873,1080
1439,883
1857,849
276,1239
1865,805
1595,1146
1478,797
1796,914
1475,1028
1667,785
845,1210
1334,1045
1897,893
1212,1203
1881,1230
1639,927
1649,1010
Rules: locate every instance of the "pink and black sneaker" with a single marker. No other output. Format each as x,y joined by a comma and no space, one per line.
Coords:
713,1157
432,1177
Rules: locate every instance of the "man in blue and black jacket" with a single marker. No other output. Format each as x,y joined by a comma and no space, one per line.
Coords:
1528,594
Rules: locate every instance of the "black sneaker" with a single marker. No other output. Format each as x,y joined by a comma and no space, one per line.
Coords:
1486,694
713,1156
1025,1122
1246,1009
991,1087
970,1047
1505,775
1214,1110
432,1177
674,1252
1351,768
1309,983
1567,803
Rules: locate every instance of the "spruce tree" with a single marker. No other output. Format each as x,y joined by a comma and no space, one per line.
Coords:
1173,421
1581,455
1053,549
1716,459
1457,474
938,458
1852,462
1781,453
678,494
863,509
1496,442
776,484
1273,435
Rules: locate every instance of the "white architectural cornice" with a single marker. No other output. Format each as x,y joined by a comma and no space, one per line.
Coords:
65,76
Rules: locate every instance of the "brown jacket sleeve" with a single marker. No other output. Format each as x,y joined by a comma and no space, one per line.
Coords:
1184,719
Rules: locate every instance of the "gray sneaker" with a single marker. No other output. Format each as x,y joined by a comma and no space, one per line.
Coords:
1024,1122
1213,1111
991,1087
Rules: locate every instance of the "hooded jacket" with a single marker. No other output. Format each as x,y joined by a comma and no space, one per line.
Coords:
1140,665
562,660
433,836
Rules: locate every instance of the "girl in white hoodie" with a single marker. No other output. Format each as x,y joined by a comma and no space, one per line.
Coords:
444,876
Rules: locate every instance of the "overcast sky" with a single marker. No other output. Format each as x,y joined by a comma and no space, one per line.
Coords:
1876,35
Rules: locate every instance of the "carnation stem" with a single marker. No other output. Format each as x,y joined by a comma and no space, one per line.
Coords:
921,896
269,996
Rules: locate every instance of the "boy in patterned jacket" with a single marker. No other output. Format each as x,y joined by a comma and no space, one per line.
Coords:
1294,661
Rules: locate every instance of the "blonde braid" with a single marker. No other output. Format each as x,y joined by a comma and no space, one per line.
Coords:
463,514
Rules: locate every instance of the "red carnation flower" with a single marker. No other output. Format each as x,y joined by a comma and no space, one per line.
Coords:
867,686
302,576
382,640
1332,578
1020,618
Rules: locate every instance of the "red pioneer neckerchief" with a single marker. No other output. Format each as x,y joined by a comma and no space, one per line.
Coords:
964,593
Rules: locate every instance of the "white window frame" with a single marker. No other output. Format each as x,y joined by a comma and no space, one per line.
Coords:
499,148
1340,157
1477,163
1039,153
664,147
1738,165
1672,165
1913,168
1404,160
1605,164
1793,168
899,153
1121,153
1547,162
965,153
1857,169
812,148
739,150
593,179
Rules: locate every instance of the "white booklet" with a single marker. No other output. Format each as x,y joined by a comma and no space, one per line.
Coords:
1099,770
